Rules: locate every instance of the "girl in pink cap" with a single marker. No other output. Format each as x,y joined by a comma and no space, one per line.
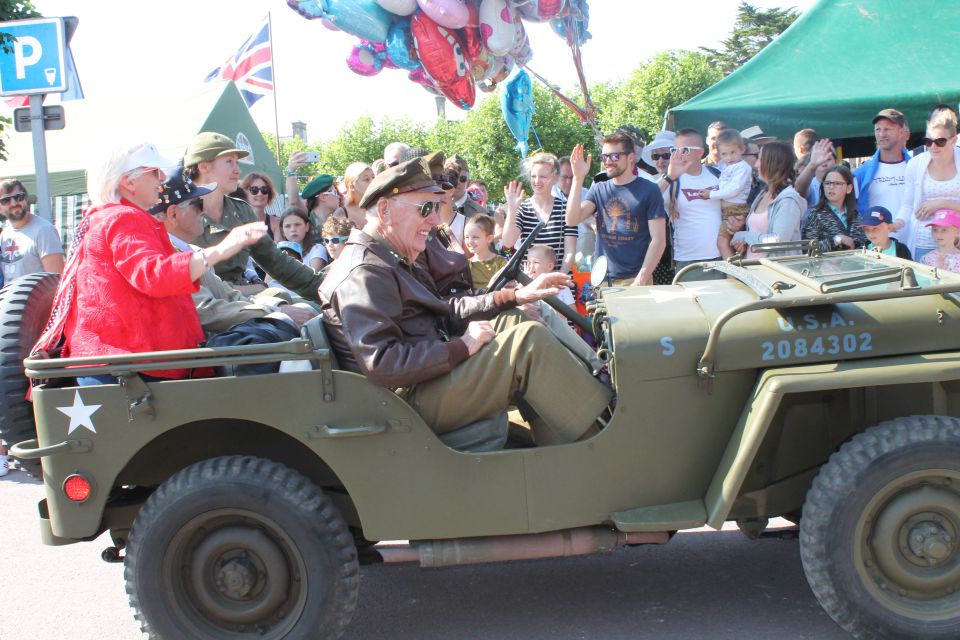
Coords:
945,229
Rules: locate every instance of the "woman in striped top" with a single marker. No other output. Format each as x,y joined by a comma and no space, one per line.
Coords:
524,214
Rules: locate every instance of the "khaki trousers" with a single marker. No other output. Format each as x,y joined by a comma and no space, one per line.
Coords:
524,361
569,338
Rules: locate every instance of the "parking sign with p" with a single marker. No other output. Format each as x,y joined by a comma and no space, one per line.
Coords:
35,63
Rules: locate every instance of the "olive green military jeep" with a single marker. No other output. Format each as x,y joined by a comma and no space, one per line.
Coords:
825,389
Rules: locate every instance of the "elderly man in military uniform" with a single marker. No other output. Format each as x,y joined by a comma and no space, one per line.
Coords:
445,357
218,304
213,158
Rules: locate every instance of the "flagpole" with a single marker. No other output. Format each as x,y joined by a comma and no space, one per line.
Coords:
276,116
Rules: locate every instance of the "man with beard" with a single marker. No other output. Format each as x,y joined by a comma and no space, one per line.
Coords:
28,244
630,217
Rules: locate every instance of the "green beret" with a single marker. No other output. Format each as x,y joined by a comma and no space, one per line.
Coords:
208,146
318,185
412,175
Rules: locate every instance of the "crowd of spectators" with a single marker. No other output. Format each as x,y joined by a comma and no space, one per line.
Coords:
683,198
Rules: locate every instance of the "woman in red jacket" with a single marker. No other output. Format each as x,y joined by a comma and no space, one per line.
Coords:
124,288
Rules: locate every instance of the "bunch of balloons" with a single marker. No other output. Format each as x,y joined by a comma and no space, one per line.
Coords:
450,47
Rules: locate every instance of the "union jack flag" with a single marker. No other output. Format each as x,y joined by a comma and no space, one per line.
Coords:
251,67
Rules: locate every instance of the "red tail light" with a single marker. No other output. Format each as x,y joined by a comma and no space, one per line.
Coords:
77,488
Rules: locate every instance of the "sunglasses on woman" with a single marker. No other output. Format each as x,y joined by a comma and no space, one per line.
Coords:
333,239
258,190
940,142
424,209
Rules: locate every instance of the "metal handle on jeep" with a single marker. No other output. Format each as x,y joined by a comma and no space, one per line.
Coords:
30,449
347,432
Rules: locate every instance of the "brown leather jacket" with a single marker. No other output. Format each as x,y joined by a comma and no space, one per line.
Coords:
386,320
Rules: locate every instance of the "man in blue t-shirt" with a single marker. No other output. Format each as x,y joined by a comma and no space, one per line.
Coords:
631,220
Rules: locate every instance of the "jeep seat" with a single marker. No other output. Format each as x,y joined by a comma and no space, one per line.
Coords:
489,434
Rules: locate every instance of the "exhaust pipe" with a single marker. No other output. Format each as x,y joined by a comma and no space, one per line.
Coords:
554,544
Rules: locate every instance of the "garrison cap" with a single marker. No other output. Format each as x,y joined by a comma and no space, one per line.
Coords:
179,188
318,185
408,176
208,146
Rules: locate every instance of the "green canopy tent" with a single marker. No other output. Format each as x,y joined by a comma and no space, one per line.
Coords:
838,65
169,121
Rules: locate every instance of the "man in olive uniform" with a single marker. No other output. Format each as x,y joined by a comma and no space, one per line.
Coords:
213,157
386,321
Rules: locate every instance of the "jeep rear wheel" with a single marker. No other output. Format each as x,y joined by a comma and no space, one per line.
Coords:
24,310
239,547
880,534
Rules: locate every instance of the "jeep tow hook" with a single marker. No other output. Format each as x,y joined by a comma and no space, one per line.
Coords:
111,554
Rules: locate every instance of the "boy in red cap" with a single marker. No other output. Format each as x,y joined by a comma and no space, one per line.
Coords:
945,228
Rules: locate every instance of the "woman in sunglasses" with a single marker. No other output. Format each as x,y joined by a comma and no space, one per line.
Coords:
259,193
125,289
932,182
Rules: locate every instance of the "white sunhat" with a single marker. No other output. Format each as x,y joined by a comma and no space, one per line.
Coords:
663,139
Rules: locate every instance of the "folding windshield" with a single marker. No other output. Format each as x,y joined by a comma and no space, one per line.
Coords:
861,270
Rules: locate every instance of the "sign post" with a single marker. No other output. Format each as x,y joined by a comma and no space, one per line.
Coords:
35,66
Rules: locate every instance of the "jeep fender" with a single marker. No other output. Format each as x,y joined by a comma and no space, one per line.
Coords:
773,385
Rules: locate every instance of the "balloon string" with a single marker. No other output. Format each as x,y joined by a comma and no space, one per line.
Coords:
589,107
586,117
536,137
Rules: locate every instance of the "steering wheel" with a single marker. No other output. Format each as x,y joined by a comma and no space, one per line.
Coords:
511,270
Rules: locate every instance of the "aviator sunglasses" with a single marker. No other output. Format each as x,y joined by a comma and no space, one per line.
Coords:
16,197
424,209
259,190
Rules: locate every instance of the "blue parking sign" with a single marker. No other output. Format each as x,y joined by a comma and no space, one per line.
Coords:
35,63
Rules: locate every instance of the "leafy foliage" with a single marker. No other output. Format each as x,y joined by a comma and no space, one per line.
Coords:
666,80
483,139
754,29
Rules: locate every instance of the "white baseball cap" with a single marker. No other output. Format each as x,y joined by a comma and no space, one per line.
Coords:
146,156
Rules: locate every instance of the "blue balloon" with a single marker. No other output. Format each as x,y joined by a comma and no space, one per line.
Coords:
363,18
516,102
398,45
579,14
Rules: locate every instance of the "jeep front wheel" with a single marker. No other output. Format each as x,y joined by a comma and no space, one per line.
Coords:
880,534
239,547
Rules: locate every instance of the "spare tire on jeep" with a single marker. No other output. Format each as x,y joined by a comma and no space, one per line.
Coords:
24,309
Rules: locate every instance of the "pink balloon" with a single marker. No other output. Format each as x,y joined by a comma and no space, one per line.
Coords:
496,26
452,14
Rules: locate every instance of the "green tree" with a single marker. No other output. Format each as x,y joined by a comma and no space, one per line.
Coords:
661,83
487,144
11,10
753,30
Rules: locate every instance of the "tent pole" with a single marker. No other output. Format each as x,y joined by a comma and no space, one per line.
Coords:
276,116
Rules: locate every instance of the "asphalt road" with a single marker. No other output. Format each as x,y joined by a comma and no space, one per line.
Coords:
702,584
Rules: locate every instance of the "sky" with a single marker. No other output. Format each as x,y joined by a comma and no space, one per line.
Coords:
128,51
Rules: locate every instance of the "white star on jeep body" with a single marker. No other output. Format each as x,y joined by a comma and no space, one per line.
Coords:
79,414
